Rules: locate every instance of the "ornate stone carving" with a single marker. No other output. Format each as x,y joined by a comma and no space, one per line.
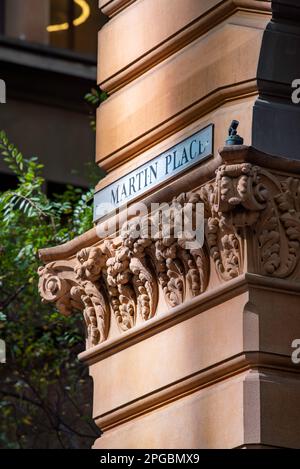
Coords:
124,275
280,240
234,201
246,206
248,201
76,287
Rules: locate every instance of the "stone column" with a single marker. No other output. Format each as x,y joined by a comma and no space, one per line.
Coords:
189,348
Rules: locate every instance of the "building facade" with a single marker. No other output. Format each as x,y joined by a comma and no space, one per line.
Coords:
190,346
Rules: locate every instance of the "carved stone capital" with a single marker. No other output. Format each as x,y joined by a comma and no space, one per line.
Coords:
252,220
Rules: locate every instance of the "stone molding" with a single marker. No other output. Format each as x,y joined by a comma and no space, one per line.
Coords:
175,42
239,364
175,123
180,35
112,7
211,298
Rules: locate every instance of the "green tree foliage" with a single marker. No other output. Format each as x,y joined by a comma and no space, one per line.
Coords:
45,393
94,98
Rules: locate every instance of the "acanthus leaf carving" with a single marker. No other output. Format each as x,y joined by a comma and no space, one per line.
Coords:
124,276
248,199
74,287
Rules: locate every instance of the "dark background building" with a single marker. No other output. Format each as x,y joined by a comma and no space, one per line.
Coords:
48,61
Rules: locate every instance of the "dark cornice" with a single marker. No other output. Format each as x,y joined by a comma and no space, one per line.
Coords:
276,119
46,75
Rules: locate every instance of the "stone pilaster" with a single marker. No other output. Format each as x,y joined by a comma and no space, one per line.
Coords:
191,348
197,339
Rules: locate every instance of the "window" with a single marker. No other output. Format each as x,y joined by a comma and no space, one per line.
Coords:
68,24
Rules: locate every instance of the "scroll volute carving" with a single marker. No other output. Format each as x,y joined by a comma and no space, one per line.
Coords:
75,285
